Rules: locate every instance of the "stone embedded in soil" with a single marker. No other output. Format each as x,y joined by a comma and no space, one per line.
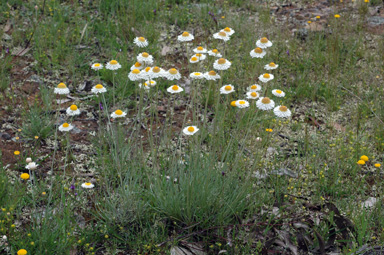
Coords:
5,136
376,24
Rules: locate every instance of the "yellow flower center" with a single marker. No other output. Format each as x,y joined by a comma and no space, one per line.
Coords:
97,64
65,125
227,29
17,153
233,103
191,129
113,62
118,112
197,74
222,34
152,82
173,71
147,69
265,100
283,108
185,34
137,64
73,107
253,87
141,39
175,87
61,86
156,69
99,86
200,48
194,58
266,76
215,51
88,183
228,88
272,64
241,102
144,54
198,54
136,71
264,40
221,61
258,50
212,73
337,16
254,94
278,91
24,176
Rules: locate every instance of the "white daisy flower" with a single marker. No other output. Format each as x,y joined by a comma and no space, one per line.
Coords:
190,130
266,77
185,37
31,166
263,43
252,95
61,89
200,50
175,89
214,53
282,111
227,89
257,53
87,185
173,74
135,75
145,86
211,76
199,56
193,59
271,66
221,64
65,127
146,73
242,103
278,93
118,114
141,42
98,89
113,65
254,87
196,75
73,110
137,65
264,103
228,30
151,83
145,58
222,36
97,66
157,72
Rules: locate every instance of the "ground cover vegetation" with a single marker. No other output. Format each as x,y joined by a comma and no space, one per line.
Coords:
191,127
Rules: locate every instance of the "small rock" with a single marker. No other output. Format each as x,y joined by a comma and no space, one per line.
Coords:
375,21
5,136
369,203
